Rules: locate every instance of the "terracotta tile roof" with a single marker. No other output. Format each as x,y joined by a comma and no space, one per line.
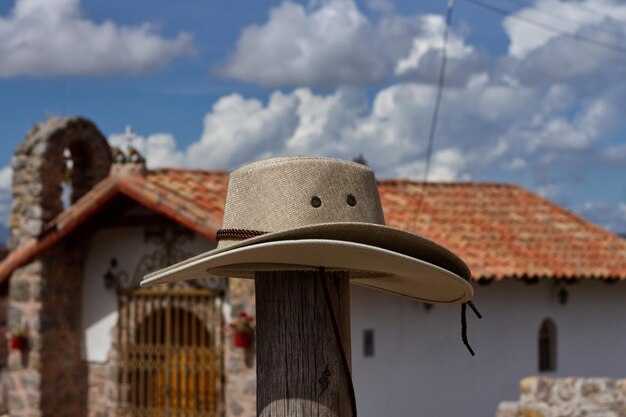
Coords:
499,230
194,199
505,231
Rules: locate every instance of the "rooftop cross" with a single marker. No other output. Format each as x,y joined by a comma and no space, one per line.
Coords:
129,135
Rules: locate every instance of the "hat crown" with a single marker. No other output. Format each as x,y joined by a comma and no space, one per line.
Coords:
284,193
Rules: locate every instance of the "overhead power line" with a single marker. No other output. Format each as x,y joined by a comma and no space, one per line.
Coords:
551,28
588,9
435,116
440,87
559,17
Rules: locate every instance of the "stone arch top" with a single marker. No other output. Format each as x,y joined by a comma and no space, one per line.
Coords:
39,169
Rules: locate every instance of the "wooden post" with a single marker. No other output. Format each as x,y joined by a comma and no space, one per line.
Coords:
300,371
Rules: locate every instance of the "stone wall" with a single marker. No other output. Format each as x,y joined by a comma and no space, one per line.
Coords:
103,393
568,397
240,364
24,365
48,377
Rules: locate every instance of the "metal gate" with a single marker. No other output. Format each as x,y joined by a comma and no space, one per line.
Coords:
169,344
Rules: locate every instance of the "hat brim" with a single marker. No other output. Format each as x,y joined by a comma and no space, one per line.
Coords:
376,256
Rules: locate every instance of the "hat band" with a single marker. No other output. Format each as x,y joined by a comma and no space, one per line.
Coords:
239,234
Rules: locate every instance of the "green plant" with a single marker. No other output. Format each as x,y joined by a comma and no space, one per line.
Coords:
243,323
19,332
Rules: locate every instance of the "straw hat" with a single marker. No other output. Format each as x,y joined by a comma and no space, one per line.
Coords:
305,213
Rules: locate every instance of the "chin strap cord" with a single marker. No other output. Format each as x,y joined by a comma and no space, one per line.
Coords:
464,323
342,352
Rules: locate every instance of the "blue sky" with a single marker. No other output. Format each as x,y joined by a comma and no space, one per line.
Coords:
219,84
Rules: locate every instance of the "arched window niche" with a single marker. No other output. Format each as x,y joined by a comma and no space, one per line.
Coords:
547,346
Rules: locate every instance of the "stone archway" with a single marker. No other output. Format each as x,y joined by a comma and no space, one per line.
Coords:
39,170
49,376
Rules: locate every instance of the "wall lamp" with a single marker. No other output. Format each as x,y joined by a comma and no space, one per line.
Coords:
113,278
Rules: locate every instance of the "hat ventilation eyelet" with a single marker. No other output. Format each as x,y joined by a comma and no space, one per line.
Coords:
316,201
351,200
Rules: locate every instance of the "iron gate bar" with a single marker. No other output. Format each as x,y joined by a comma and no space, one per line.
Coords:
168,339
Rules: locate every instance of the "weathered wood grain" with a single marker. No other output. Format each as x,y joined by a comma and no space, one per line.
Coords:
299,367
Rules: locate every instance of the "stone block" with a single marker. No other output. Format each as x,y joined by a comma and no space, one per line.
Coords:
19,291
249,386
567,389
35,342
34,268
592,388
34,212
234,365
34,360
528,387
545,389
15,317
507,409
112,394
39,149
38,290
589,410
538,409
566,409
15,361
33,226
34,401
35,324
236,408
16,402
31,380
114,373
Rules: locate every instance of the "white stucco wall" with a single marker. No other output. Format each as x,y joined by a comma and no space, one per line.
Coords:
421,367
128,246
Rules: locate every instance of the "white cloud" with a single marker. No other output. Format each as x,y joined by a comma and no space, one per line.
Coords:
542,111
539,115
391,132
325,45
482,124
333,43
601,20
53,37
431,39
340,124
542,98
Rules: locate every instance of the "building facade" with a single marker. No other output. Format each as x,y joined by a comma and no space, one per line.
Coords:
550,285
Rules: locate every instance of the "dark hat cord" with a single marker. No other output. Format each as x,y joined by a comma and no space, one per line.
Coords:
342,352
464,323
